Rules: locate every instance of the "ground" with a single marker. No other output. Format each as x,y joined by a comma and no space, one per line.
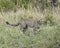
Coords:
10,37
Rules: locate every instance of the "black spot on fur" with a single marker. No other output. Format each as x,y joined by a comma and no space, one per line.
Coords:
7,22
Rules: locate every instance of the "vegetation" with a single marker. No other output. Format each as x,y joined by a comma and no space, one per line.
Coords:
47,36
10,4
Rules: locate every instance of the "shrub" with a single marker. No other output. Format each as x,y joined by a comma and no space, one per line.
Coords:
6,4
49,18
24,3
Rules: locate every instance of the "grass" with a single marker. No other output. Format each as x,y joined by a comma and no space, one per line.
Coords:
10,37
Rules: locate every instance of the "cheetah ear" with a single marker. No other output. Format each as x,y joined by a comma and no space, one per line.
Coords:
7,22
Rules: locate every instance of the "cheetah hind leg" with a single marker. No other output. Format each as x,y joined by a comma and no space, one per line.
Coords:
23,29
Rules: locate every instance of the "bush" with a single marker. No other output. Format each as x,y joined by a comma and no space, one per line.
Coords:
49,18
24,3
6,4
10,4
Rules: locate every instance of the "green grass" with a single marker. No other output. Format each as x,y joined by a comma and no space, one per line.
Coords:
46,38
10,37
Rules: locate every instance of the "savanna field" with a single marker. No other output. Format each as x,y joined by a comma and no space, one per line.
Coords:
47,36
